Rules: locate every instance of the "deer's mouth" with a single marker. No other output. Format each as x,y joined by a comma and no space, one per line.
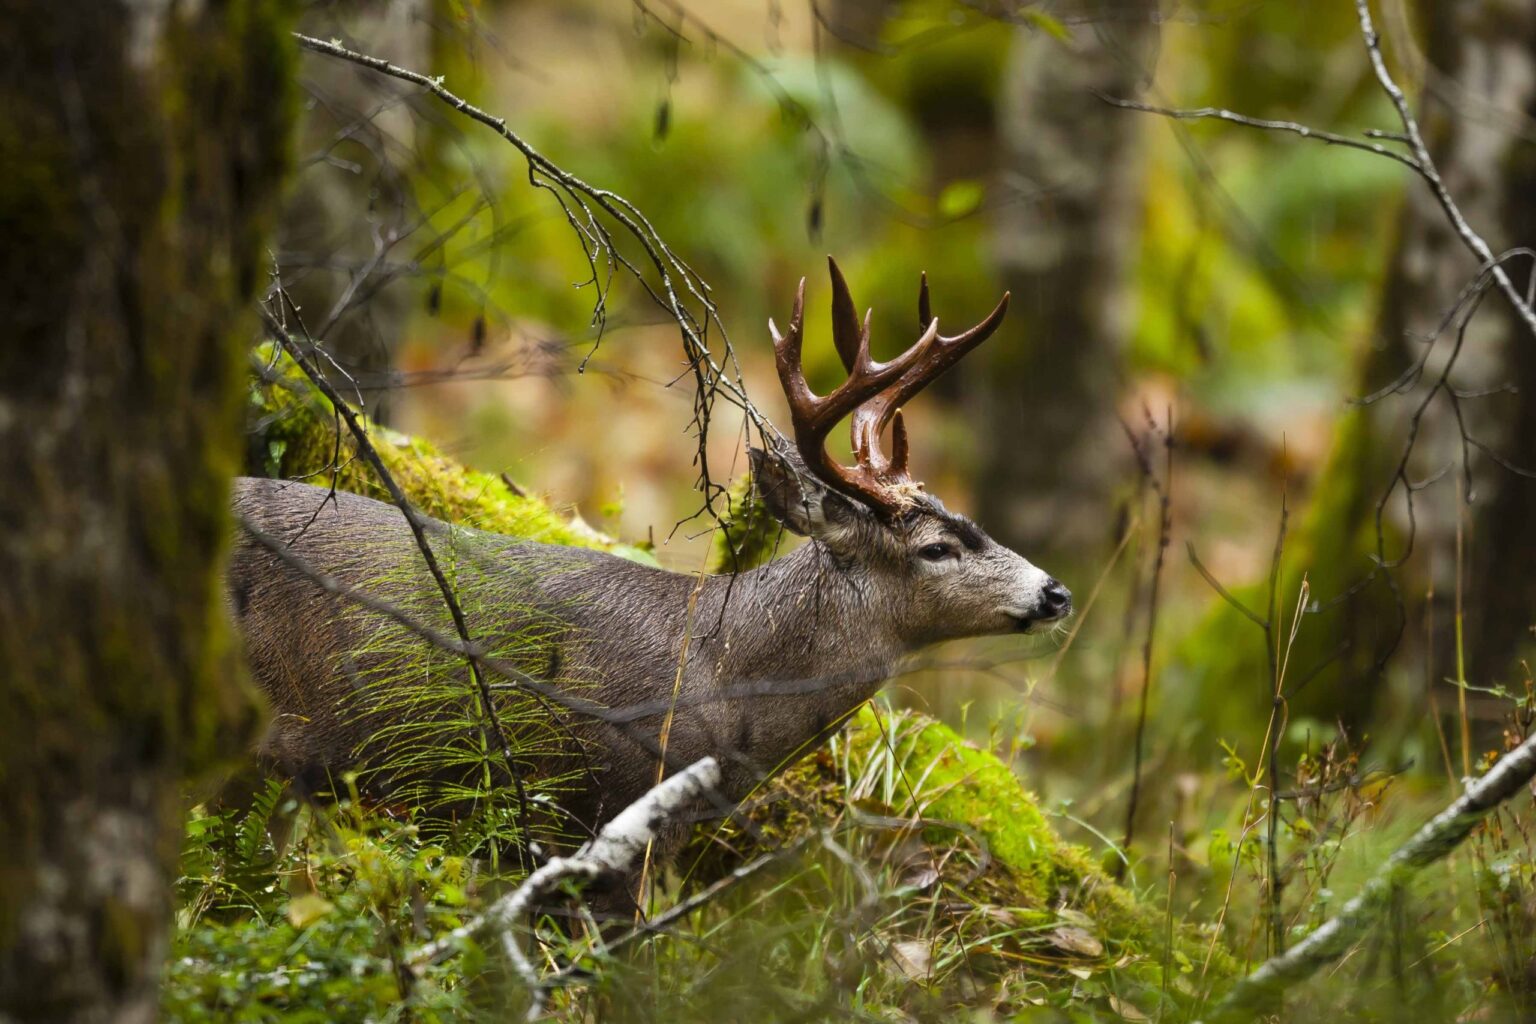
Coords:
1022,622
1025,621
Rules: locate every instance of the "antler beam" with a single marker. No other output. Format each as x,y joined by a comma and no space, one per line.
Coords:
873,393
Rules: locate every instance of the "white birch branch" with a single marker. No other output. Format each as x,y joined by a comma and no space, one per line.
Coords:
1256,994
611,852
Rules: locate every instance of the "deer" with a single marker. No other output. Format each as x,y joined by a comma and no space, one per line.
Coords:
658,667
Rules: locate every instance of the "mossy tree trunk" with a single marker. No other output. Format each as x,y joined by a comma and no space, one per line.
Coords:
143,145
1479,78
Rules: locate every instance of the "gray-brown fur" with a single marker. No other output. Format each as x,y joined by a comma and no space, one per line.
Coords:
777,655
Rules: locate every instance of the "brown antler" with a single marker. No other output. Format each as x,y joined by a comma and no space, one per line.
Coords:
873,393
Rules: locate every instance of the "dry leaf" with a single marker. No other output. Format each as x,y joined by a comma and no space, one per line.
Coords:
1125,1009
913,959
1072,939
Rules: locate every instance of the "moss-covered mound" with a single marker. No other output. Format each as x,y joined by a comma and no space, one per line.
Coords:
973,885
293,434
979,892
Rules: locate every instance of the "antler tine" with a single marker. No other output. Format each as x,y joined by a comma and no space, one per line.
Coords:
813,416
873,392
898,444
786,351
870,418
846,334
943,353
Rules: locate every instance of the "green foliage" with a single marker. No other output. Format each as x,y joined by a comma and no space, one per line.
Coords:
977,898
749,535
317,932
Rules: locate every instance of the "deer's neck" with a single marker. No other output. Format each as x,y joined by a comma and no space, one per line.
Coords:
795,645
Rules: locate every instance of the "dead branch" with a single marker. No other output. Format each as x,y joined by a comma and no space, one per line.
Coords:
491,731
1419,159
1434,841
676,284
609,854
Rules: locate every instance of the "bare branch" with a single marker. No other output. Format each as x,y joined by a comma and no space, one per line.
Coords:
490,728
1431,175
610,854
1295,128
1418,159
1434,840
676,284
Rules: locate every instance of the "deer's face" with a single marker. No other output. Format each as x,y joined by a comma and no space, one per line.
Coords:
957,581
932,574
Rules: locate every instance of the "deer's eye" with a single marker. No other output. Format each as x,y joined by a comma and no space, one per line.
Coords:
935,552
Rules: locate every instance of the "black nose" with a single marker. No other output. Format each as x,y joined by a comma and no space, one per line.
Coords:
1057,597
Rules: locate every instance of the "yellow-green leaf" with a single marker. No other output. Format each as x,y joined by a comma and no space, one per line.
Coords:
305,910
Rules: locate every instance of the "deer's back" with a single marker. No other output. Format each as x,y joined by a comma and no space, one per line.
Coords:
342,679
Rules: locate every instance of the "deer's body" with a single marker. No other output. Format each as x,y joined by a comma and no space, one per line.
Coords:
778,655
751,669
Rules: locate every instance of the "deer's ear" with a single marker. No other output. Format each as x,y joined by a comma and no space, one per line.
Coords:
794,497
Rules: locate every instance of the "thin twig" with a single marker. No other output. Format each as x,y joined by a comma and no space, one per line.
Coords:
1278,714
676,282
1419,160
1232,117
1431,175
492,733
1164,492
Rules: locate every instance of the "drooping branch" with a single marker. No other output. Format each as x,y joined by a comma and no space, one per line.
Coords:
493,735
1266,124
585,207
1435,840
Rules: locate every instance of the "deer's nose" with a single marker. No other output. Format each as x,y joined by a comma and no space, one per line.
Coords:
1057,598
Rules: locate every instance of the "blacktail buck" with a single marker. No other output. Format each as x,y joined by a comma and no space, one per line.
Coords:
752,668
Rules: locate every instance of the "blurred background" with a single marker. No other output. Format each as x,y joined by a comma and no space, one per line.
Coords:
1172,403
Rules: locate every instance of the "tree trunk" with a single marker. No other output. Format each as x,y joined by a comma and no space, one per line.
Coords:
1481,98
1479,92
1052,450
143,145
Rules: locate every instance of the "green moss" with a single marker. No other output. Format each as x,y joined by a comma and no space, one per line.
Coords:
958,783
748,534
962,783
1022,895
295,435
